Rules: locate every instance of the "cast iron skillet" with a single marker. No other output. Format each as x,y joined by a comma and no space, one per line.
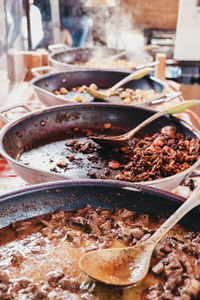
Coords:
46,84
49,197
49,125
65,60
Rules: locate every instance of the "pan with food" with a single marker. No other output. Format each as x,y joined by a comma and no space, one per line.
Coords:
69,87
46,228
55,143
97,57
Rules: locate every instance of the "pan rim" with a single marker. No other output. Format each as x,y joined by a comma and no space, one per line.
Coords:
91,182
52,60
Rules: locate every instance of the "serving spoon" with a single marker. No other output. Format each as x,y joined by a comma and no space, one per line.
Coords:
129,265
133,76
127,51
120,140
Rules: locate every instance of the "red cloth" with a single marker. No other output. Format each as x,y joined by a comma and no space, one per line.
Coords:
21,93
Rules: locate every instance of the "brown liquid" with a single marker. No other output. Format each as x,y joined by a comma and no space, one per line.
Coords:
42,255
117,273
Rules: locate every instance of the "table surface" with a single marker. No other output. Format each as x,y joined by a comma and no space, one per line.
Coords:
23,93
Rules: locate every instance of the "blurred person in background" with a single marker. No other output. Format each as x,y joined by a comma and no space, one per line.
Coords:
45,11
75,24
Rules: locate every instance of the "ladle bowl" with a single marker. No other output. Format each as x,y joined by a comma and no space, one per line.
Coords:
129,265
107,93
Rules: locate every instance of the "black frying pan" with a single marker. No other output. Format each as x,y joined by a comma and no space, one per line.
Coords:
47,126
45,85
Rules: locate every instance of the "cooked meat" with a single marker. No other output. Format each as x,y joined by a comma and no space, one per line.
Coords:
46,266
143,159
70,284
20,284
17,258
54,277
4,277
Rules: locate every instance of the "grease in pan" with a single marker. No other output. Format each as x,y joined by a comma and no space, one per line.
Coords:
39,256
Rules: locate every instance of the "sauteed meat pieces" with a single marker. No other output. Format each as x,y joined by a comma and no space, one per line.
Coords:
152,157
49,269
145,158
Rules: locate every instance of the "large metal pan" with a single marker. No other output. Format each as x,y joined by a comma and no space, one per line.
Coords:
52,124
66,60
46,84
47,198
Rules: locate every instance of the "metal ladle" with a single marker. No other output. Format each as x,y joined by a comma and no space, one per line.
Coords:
129,265
120,140
128,51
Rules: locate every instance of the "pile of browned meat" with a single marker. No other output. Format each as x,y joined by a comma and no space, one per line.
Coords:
175,265
152,157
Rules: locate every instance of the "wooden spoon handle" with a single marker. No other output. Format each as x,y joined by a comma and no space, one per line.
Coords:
182,106
173,110
133,76
131,133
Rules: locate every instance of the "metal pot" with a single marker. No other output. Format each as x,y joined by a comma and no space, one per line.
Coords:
48,125
46,84
65,60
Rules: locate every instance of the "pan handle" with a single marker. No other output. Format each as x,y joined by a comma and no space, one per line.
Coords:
6,109
36,71
58,48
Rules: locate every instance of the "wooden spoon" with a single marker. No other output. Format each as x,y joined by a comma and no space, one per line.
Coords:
133,76
127,266
120,140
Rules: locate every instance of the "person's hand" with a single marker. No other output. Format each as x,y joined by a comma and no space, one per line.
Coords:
66,37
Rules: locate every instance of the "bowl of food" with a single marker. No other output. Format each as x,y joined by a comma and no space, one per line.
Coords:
55,143
46,228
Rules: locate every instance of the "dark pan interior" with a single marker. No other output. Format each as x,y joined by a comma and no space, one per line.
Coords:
52,124
82,54
103,79
50,197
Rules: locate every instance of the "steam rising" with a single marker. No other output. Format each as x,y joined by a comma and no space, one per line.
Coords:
120,31
114,28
